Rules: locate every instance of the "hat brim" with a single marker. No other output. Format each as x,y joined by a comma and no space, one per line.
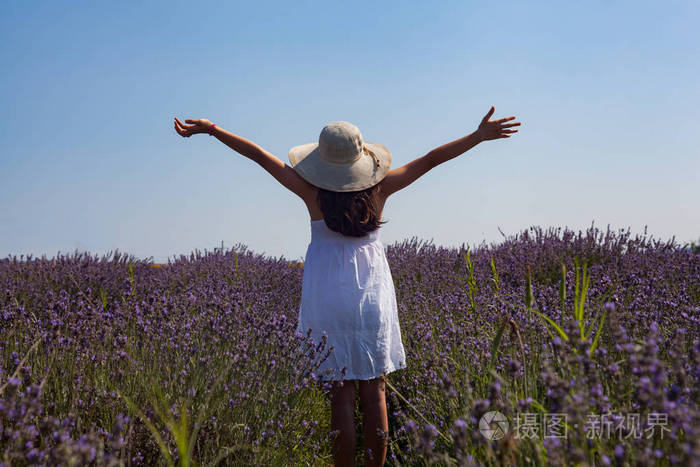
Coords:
358,175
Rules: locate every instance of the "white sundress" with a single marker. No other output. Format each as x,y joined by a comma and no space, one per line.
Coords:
348,293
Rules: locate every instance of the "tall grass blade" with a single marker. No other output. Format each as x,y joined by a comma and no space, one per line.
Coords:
549,320
562,293
154,431
528,288
103,297
21,364
584,291
200,415
576,290
235,254
597,334
592,325
131,278
494,278
471,281
391,386
497,342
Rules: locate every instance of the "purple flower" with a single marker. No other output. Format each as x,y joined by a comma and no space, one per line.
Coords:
619,452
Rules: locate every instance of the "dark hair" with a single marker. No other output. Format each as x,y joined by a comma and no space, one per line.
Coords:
352,213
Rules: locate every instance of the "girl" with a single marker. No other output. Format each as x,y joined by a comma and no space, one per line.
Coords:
347,289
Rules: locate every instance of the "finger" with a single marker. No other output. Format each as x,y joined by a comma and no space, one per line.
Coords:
490,112
193,121
182,131
188,128
509,131
501,120
504,119
504,136
182,125
508,125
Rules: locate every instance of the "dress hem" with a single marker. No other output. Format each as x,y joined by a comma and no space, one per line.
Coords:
365,377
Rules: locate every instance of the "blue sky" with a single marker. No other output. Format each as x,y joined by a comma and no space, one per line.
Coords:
607,93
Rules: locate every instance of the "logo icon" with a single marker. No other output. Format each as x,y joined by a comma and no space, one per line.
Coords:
493,425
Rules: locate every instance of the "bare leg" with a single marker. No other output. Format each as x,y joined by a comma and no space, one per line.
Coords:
373,402
342,418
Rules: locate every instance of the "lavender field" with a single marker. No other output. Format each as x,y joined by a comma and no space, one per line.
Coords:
551,348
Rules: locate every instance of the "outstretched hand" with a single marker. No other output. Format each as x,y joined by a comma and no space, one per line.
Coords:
199,125
495,129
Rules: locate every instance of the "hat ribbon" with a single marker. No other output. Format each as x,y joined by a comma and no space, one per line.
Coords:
374,156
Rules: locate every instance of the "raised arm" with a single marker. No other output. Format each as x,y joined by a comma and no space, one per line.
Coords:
401,177
278,169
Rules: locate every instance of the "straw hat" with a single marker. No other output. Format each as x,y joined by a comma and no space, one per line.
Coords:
341,160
